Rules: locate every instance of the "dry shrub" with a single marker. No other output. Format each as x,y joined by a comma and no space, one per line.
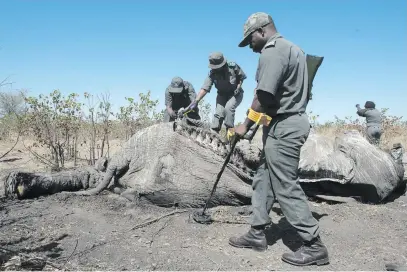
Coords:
394,128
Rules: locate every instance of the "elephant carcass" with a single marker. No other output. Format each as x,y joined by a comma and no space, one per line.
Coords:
164,167
349,166
173,163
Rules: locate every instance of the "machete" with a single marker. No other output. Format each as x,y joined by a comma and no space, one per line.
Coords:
313,63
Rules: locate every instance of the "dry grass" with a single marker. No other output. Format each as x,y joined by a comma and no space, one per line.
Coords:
394,128
395,131
391,135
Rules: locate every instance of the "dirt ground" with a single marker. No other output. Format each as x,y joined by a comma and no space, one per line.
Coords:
104,233
94,233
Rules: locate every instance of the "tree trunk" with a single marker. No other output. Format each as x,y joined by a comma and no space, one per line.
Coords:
56,156
108,146
103,146
75,142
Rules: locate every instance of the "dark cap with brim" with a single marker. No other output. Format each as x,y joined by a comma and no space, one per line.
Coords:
216,60
245,41
176,86
254,22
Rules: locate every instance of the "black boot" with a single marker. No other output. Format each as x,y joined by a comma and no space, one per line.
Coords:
313,252
396,267
254,239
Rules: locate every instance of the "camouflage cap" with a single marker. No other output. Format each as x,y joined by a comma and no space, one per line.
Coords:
176,86
216,60
254,22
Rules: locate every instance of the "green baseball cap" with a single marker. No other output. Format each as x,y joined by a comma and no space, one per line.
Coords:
176,86
254,22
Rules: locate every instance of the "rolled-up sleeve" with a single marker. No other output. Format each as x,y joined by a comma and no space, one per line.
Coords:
240,73
208,83
168,98
361,112
191,92
270,71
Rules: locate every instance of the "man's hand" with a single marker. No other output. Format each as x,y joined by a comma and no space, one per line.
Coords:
241,130
172,113
187,109
237,91
180,113
357,105
191,106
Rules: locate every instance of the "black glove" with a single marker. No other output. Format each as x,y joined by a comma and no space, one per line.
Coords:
357,105
191,106
172,114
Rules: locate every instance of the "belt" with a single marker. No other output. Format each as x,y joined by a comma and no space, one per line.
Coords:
265,119
286,115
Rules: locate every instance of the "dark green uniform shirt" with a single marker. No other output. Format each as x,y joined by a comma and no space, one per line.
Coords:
226,83
282,71
373,116
182,100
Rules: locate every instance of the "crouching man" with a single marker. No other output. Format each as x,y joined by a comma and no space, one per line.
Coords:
228,77
179,94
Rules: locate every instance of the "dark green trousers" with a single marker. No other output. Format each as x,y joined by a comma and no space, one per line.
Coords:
226,106
277,176
373,134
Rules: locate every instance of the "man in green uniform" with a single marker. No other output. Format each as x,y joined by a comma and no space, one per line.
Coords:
373,122
179,94
228,78
281,93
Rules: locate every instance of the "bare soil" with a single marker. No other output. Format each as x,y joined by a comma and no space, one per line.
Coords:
94,233
101,233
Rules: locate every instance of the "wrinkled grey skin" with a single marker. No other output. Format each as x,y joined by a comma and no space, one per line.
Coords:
161,166
167,167
350,166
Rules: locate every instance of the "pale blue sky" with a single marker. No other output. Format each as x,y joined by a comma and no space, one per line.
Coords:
127,47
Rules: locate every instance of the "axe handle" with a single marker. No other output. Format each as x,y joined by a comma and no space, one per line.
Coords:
235,140
232,148
254,132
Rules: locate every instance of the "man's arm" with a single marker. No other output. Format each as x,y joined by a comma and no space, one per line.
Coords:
191,92
238,87
168,101
201,95
206,88
269,76
254,108
241,76
361,112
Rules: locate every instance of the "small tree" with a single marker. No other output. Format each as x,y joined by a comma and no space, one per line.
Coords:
205,111
104,114
11,109
146,109
92,119
394,128
125,116
53,120
140,114
11,102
